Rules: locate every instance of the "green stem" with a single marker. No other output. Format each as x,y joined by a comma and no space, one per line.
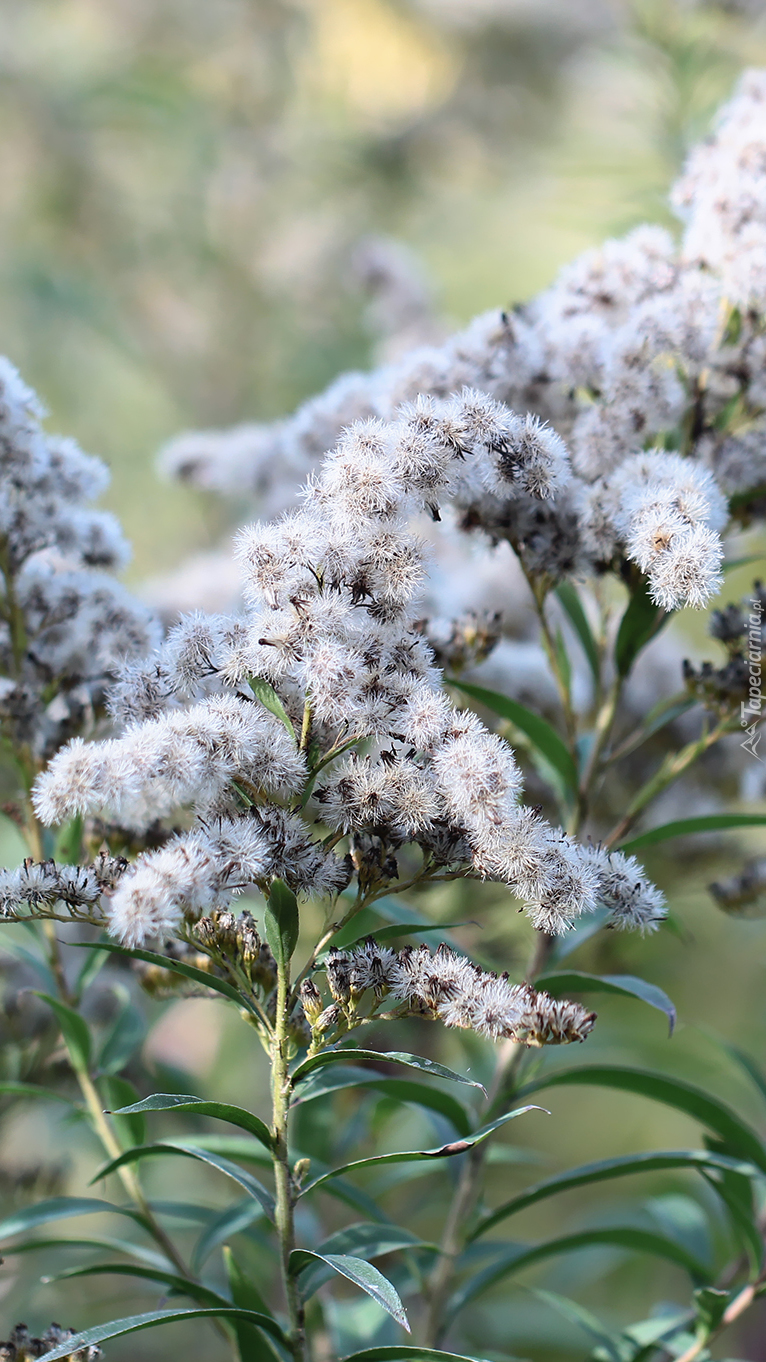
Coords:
466,1195
283,1177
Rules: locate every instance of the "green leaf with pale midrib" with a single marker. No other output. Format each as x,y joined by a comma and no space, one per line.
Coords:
199,976
402,1089
640,623
222,1111
539,731
410,1354
60,1208
573,606
428,1066
520,1256
684,827
444,1151
246,1180
361,1241
265,692
359,1272
10,1088
180,1285
605,1170
74,1029
624,985
739,1138
117,1328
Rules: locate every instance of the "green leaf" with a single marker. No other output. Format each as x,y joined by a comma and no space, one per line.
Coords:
518,1256
409,1354
711,1305
604,1171
359,1272
199,976
540,733
282,923
109,1243
625,985
246,1180
34,961
739,1138
684,826
401,929
641,621
362,1241
74,1030
118,1093
428,1066
223,1111
60,1208
116,1328
563,663
252,1346
445,1151
573,606
68,843
231,1220
181,1285
576,1314
124,1037
263,691
10,1088
402,1089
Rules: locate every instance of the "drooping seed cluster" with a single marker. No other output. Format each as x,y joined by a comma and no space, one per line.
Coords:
48,885
637,349
64,621
443,985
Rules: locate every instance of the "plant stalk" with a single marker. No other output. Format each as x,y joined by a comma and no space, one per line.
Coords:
283,1177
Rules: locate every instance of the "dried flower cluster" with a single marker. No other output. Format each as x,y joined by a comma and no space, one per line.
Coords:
64,621
441,985
21,1347
638,348
329,632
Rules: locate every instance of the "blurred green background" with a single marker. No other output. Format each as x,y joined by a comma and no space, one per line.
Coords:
183,185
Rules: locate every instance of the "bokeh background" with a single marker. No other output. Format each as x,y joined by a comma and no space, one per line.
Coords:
187,195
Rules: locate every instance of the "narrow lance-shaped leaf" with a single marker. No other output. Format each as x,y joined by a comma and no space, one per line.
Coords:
641,621
252,1345
684,827
181,1286
265,692
739,1138
11,1088
402,1089
361,1241
391,1353
222,1111
282,922
519,1256
540,733
246,1180
445,1151
359,1272
132,1324
573,606
74,1029
604,1171
59,1208
341,1055
624,985
232,1220
576,1314
199,976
